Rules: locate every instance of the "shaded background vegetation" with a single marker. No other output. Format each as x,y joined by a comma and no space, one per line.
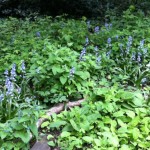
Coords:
78,8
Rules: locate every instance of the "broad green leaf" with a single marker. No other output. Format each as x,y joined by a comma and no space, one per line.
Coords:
45,124
124,147
3,134
127,95
50,137
138,99
119,113
34,129
130,113
56,69
51,143
63,80
84,75
25,136
121,123
65,134
114,141
57,124
136,133
97,142
87,139
134,122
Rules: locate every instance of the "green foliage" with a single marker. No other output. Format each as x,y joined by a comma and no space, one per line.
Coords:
18,112
69,59
111,118
52,47
16,133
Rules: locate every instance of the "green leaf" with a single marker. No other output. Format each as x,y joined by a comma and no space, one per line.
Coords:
84,75
130,113
50,137
114,141
136,133
87,139
25,136
97,142
69,44
121,123
134,122
65,134
118,114
34,129
127,95
63,80
51,143
56,69
45,124
57,124
74,125
3,134
138,99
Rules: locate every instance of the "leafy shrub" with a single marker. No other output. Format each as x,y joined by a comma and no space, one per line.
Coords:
110,117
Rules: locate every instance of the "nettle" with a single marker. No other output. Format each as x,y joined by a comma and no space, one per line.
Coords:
110,117
18,111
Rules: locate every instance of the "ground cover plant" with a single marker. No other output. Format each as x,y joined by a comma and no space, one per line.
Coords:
110,118
107,63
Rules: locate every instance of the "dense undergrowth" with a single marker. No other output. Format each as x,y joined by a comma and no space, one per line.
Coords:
54,60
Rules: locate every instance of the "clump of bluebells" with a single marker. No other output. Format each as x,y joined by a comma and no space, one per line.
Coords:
129,44
72,72
83,52
12,96
108,26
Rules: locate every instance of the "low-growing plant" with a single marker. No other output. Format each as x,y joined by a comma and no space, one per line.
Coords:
18,111
110,117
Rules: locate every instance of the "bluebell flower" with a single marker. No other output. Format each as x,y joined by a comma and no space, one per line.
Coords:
109,41
117,37
6,73
23,68
38,34
1,97
96,50
121,49
98,60
20,114
86,41
142,44
83,52
19,90
110,25
9,87
108,53
72,71
13,73
133,57
96,29
144,51
139,57
144,80
107,26
88,24
129,43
